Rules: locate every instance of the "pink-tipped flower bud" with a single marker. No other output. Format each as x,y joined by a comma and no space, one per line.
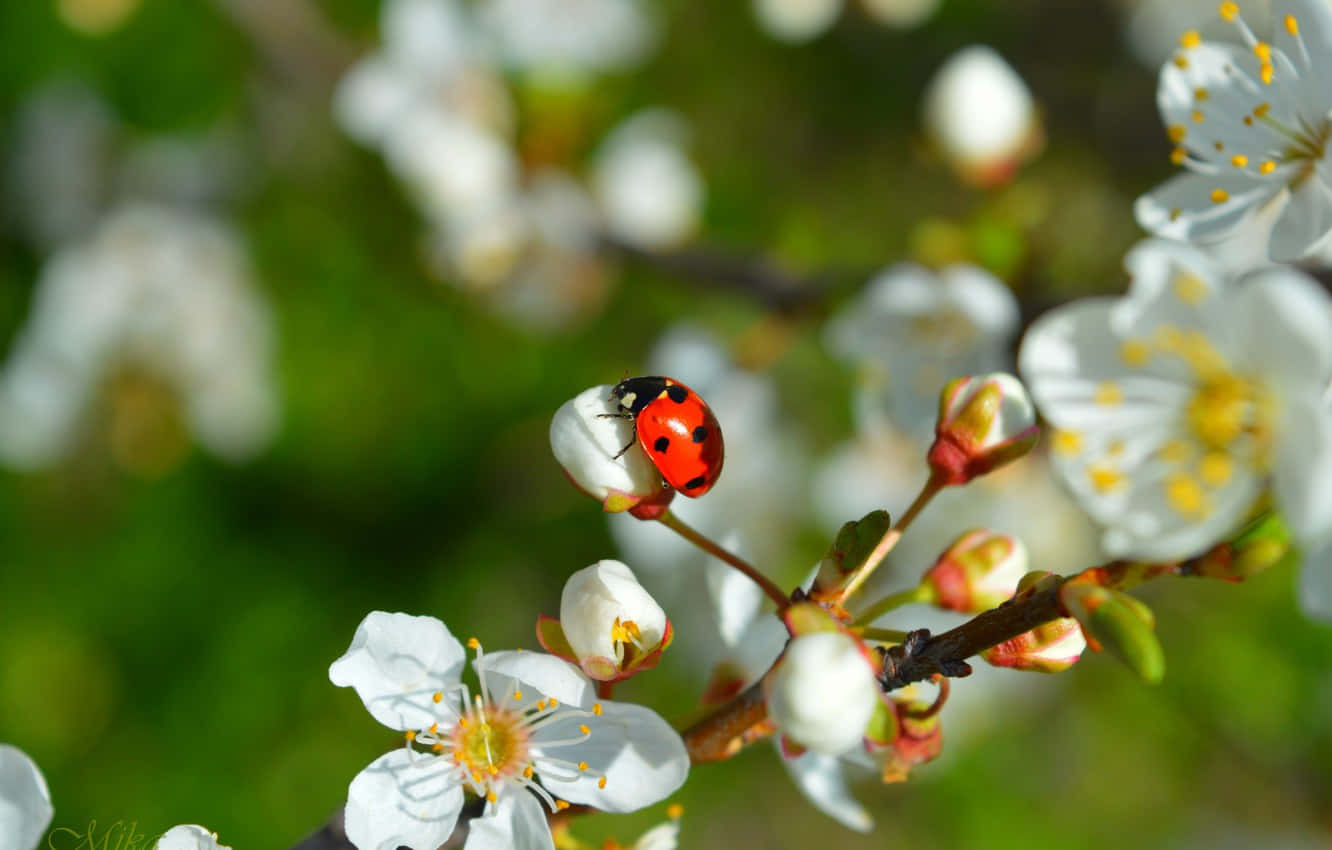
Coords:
599,452
980,571
823,692
609,625
1051,648
984,422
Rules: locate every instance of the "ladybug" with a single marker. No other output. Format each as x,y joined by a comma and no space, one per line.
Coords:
676,428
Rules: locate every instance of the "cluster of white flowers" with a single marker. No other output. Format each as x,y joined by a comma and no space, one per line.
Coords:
155,291
798,21
434,100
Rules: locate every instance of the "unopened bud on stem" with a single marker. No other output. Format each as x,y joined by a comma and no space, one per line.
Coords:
984,422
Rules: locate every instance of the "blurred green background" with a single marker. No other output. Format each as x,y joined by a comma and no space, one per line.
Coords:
165,637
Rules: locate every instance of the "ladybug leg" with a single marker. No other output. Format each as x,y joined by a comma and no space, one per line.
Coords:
625,415
621,452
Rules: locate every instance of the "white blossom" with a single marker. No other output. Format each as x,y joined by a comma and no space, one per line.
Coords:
155,289
901,14
561,37
604,613
25,801
796,21
1179,404
823,692
1250,125
599,453
911,331
534,733
649,191
189,837
981,115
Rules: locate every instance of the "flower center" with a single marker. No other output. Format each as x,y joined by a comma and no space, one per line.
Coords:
1224,409
492,741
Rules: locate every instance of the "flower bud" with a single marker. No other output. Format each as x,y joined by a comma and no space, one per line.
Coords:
823,692
980,571
984,422
1118,622
919,737
1051,648
981,116
587,436
609,625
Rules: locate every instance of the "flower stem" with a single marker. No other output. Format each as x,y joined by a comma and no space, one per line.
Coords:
700,540
920,593
890,538
885,635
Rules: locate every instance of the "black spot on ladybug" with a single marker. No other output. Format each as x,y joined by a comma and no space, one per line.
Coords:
661,445
677,393
694,483
700,434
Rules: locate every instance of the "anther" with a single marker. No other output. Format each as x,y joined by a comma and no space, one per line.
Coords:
527,772
473,643
561,805
583,728
1267,72
410,735
1228,10
1267,167
596,709
1220,196
439,695
1263,51
1190,39
554,702
1261,110
1292,25
438,747
1200,94
675,811
601,783
1177,132
582,765
517,694
434,728
490,797
1197,117
1239,160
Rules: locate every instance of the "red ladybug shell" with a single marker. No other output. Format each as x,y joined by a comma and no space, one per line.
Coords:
676,428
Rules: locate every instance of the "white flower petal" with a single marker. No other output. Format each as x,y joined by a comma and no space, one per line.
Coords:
796,21
597,598
1314,23
1315,583
983,297
585,439
403,799
516,821
823,692
663,836
189,837
1173,283
820,778
371,97
1182,207
977,108
1303,476
1305,225
537,671
25,801
397,663
643,759
1281,321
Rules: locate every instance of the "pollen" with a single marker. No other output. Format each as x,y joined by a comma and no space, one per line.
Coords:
601,783
1261,110
1190,289
583,728
517,694
1177,132
1263,51
473,643
434,728
1135,352
596,709
439,695
1218,146
1190,39
1197,117
490,797
1200,94
1178,155
675,811
1239,160
1104,478
1067,442
1108,393
1216,469
1220,196
438,747
1181,61
1267,167
1267,72
1292,25
1248,120
582,765
409,735
1176,213
527,772
1186,496
1229,10
561,805
1176,451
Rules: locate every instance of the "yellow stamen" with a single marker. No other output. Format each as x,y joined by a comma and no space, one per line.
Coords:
1176,451
1218,146
1177,132
1178,155
434,728
1181,61
1067,442
596,709
1190,289
517,694
1263,51
1200,94
1215,469
1185,495
554,702
1108,393
439,748
1267,167
490,797
1104,478
1248,120
1267,72
582,765
561,805
1197,117
1292,25
1239,160
1176,213
527,772
410,735
1261,110
473,643
439,695
601,783
1135,352
1229,10
583,728
1220,196
1190,39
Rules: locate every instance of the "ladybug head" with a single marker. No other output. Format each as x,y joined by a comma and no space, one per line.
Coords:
634,394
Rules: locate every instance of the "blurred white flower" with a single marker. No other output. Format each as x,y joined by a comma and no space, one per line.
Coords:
902,14
189,837
1179,404
1250,124
25,801
453,166
985,422
911,331
1152,27
568,37
649,191
823,692
535,726
157,290
981,115
797,20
